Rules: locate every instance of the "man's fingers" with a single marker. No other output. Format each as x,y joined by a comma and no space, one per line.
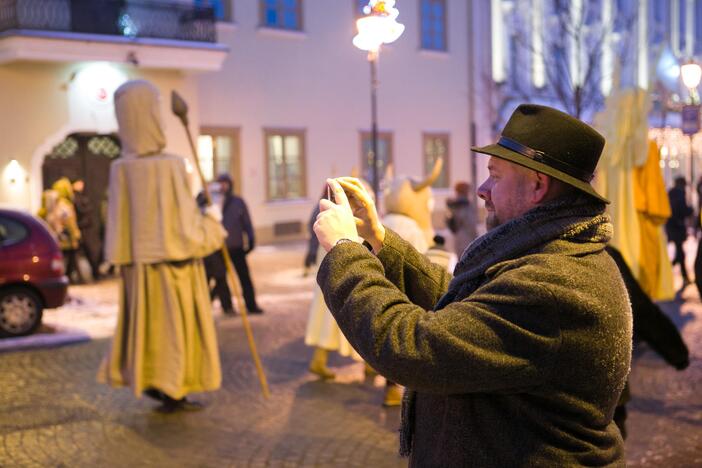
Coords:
338,192
357,191
325,204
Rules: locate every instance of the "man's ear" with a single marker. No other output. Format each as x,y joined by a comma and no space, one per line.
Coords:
542,188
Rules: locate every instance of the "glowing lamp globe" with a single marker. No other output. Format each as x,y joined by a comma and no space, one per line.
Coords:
691,74
379,26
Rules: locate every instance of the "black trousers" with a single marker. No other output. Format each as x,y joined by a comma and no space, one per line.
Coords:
680,259
221,290
242,270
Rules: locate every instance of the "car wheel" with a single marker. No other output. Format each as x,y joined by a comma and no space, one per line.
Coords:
20,311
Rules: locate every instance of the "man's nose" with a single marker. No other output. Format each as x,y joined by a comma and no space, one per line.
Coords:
484,191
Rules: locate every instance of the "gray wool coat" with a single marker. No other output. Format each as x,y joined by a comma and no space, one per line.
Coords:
525,370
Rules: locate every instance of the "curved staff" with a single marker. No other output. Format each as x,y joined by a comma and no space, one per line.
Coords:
180,110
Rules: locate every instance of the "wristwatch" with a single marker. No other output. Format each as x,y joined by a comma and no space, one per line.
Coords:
342,240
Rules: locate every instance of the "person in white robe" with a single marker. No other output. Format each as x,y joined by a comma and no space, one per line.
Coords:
165,344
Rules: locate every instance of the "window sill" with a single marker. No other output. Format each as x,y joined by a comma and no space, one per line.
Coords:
288,202
437,54
226,26
281,33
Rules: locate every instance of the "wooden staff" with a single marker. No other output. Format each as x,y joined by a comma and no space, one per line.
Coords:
180,109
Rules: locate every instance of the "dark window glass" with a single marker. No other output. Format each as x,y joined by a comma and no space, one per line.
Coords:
433,24
282,14
11,231
222,8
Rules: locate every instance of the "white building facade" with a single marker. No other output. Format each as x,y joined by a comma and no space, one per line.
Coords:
280,98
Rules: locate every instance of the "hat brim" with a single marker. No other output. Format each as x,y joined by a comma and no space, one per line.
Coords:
512,156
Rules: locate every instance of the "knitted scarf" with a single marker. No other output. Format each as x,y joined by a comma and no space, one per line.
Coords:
578,218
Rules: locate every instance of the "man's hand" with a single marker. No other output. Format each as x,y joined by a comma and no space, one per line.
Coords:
363,208
335,219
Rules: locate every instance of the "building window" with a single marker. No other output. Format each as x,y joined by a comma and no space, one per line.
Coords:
436,145
282,14
433,18
285,158
222,8
218,153
384,154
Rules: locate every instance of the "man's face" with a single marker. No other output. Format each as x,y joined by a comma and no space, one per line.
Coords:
506,191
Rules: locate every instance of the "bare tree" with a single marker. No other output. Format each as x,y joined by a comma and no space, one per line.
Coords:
570,46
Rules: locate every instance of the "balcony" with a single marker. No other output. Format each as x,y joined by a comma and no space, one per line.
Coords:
145,33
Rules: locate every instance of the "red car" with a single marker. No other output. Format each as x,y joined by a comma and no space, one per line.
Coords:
31,272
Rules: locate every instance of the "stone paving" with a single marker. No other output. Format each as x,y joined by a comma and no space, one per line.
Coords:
53,413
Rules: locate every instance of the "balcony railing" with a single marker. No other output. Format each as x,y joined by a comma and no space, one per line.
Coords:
132,19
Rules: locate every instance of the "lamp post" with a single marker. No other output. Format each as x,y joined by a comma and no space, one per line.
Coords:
691,74
378,27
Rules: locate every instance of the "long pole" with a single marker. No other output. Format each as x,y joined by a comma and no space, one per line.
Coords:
373,59
232,279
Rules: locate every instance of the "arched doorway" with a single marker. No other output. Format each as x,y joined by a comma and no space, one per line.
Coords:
86,156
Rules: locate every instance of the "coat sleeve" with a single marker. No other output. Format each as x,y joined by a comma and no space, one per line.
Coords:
501,338
246,223
412,272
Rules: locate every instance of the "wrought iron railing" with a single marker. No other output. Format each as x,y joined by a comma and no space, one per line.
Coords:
134,19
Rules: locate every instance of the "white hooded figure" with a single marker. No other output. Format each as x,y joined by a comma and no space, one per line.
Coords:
165,343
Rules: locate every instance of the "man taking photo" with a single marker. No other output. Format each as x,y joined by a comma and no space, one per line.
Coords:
520,357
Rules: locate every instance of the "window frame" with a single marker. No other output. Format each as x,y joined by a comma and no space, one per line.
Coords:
234,170
384,135
445,26
302,135
281,27
446,136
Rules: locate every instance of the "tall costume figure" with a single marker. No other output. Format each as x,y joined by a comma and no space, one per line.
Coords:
165,343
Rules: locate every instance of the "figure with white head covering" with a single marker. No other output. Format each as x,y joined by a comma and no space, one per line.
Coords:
165,344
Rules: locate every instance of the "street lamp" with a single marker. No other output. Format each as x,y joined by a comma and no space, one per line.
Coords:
691,74
378,27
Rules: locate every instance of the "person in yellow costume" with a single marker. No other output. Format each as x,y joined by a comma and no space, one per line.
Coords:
653,208
165,344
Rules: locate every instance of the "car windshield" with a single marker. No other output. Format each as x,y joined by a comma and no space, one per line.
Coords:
11,231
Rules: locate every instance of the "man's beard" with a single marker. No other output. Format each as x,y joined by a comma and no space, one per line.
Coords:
491,221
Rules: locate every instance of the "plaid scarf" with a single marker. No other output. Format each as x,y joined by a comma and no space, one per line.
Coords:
578,218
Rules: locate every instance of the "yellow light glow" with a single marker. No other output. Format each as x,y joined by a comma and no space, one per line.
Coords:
25,277
379,27
98,81
691,74
35,259
14,172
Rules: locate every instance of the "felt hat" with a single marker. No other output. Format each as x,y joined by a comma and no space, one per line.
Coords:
550,142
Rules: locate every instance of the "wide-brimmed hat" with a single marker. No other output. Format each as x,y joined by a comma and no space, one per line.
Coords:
551,142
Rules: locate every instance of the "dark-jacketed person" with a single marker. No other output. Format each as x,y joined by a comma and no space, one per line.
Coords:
519,358
165,345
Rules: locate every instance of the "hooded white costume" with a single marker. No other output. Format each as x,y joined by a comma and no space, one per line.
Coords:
165,337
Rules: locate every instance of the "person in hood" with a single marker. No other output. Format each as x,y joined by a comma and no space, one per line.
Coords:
165,344
519,359
240,238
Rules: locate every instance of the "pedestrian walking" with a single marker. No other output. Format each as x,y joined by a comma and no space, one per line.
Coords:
164,345
520,358
676,226
240,238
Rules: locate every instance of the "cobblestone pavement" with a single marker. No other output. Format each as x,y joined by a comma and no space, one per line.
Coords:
52,413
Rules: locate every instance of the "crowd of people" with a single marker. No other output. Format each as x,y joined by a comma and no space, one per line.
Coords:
515,346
